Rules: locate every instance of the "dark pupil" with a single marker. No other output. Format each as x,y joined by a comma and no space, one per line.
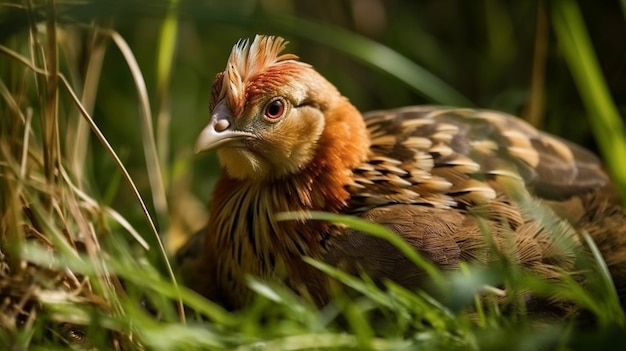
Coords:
274,108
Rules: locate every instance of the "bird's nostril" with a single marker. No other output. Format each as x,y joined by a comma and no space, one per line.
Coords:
221,125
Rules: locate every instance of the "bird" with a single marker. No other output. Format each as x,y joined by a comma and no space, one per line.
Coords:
438,177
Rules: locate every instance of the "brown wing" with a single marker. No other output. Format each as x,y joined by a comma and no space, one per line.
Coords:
434,178
450,157
447,237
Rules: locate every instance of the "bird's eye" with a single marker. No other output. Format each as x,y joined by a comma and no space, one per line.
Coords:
274,109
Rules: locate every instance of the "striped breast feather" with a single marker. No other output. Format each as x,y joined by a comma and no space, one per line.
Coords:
451,157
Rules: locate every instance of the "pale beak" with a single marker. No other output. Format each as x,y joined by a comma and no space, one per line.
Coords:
219,131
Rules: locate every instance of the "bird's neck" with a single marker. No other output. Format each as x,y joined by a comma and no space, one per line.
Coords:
243,225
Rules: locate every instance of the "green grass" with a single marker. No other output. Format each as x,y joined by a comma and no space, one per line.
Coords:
607,125
96,189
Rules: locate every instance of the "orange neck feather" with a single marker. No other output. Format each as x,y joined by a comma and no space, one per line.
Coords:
240,207
320,186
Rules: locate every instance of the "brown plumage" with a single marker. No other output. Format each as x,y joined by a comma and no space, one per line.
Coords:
439,177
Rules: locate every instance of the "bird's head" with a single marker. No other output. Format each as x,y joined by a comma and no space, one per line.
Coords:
269,111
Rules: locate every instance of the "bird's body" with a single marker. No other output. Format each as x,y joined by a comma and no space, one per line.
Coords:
439,177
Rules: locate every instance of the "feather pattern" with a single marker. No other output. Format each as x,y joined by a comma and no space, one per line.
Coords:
454,183
246,61
447,157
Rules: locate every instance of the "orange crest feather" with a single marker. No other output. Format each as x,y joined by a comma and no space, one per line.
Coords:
246,61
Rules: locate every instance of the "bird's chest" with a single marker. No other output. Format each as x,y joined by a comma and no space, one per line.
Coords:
250,242
245,234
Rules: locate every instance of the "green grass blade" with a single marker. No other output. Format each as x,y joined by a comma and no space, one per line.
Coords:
604,117
378,56
165,56
376,230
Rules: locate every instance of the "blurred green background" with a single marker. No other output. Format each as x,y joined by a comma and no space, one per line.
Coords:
381,54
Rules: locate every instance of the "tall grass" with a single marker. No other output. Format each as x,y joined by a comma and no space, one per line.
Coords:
84,261
607,124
